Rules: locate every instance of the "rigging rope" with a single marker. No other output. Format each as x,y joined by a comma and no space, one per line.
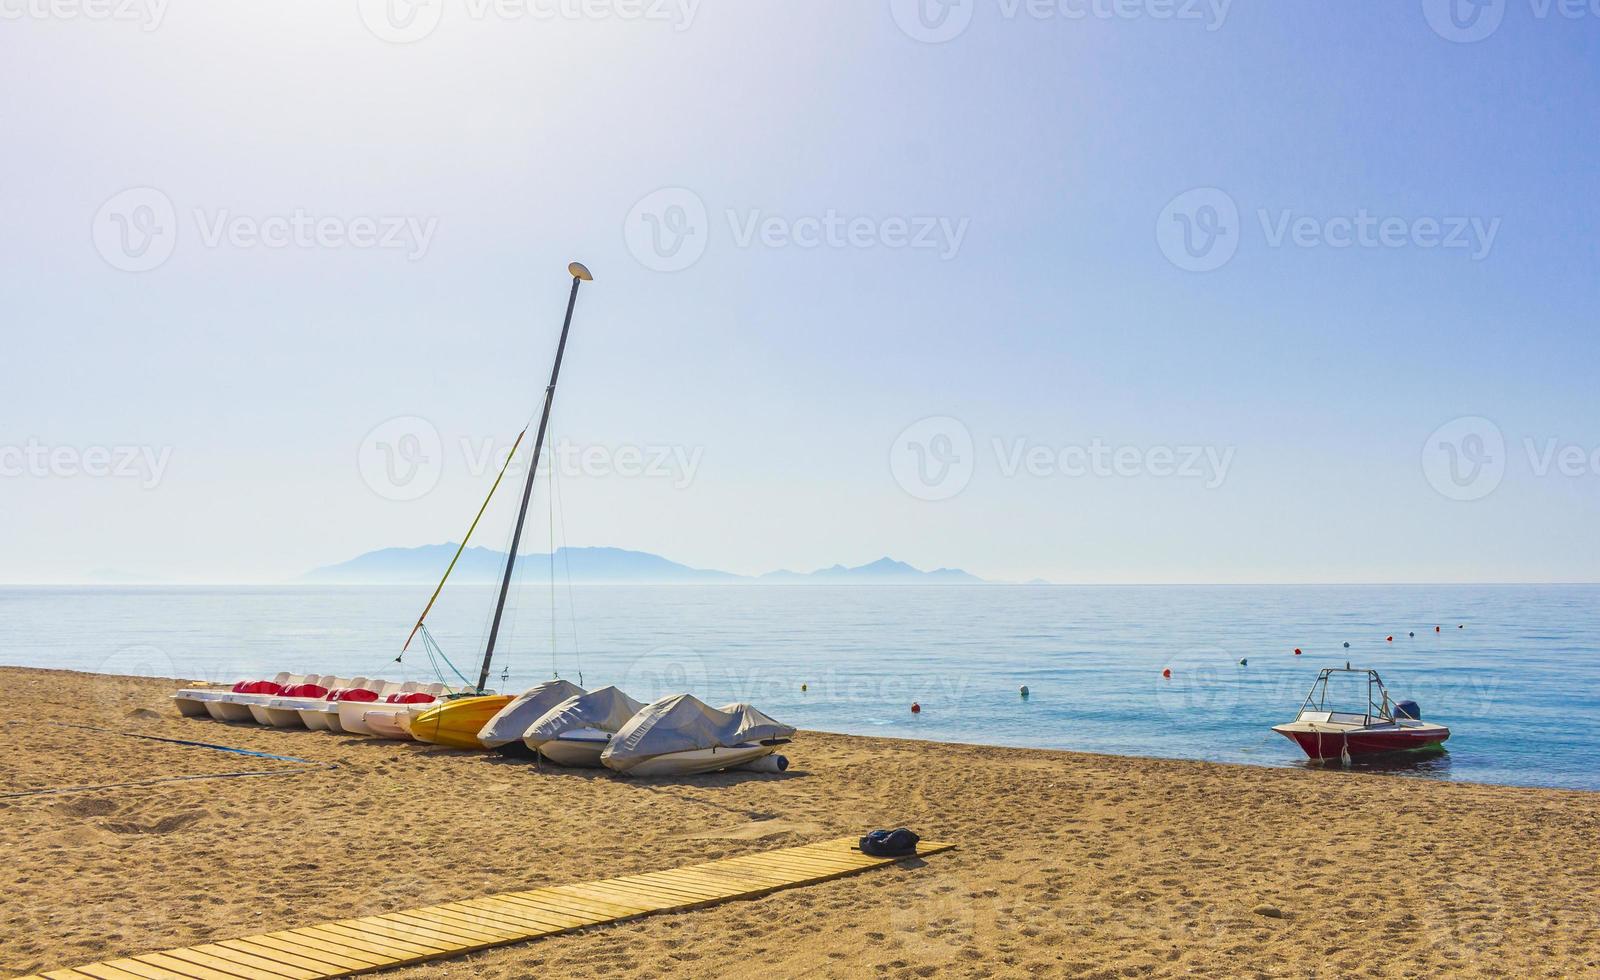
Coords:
465,538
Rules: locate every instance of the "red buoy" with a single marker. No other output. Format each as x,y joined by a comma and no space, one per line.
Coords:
1389,640
1436,629
1167,672
1297,651
916,708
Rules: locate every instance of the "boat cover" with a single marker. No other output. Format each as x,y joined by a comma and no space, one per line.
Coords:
607,709
684,723
514,719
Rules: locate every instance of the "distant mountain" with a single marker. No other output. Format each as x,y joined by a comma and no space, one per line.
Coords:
424,565
884,571
427,563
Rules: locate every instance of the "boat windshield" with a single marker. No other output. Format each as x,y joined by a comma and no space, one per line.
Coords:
1347,697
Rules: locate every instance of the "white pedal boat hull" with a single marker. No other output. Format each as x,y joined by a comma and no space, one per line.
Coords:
224,709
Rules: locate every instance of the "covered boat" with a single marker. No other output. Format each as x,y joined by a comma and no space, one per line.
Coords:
1358,718
504,731
456,723
577,730
681,735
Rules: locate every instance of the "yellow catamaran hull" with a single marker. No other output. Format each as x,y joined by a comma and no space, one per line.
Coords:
456,723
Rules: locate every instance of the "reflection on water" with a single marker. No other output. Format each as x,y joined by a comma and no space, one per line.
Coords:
1432,762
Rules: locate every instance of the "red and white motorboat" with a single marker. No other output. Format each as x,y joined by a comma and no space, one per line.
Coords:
1341,731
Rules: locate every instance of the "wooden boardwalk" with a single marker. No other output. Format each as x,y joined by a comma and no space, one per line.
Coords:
352,946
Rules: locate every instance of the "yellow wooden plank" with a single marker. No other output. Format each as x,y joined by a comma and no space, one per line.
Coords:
105,971
365,949
557,910
321,967
234,966
323,949
686,886
638,884
144,970
265,944
480,931
255,961
66,975
183,968
511,915
404,950
460,932
632,896
633,903
529,916
565,900
415,937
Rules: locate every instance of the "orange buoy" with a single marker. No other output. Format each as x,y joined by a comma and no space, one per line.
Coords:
1297,651
916,708
1167,672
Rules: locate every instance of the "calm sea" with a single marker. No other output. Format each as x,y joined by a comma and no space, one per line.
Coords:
1517,685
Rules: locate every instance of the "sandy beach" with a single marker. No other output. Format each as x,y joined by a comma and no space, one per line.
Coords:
1068,864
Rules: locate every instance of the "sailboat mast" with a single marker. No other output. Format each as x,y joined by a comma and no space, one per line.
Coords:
579,275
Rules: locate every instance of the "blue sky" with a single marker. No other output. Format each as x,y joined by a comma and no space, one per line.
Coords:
1015,273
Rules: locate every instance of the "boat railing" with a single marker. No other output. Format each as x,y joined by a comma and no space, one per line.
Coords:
1378,704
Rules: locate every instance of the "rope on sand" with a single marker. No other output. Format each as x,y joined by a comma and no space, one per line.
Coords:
169,779
313,766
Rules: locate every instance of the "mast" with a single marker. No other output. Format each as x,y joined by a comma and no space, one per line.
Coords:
579,275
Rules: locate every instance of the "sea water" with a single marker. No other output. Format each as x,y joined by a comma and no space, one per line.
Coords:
1512,670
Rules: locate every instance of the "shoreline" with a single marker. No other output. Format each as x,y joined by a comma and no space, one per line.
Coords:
1359,769
1067,863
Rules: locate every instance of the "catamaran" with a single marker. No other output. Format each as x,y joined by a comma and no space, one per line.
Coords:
458,721
1379,725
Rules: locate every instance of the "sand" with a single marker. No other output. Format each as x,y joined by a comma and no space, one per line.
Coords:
1068,865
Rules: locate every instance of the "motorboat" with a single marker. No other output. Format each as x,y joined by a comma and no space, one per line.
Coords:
576,731
457,722
681,735
1342,725
504,731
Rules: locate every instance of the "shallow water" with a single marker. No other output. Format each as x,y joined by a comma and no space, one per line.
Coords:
1517,685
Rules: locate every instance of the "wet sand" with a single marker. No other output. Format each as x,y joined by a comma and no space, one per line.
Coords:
1068,865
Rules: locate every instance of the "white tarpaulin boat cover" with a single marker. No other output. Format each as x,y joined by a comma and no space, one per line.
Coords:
514,719
684,723
607,709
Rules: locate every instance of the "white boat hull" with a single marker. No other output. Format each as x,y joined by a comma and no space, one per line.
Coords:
698,761
316,719
191,706
223,710
386,722
579,749
352,717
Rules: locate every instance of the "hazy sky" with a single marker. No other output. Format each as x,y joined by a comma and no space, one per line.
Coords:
1097,291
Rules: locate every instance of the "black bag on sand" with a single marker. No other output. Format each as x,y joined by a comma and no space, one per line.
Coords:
890,843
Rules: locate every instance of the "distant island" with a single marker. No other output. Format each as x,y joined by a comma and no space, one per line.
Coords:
425,564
